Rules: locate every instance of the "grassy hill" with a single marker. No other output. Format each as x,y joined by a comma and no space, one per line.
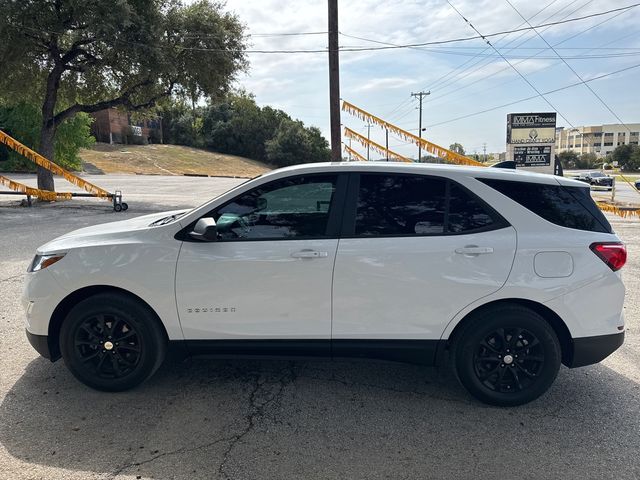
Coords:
167,160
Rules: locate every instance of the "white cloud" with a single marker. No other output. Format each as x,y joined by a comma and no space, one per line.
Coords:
382,80
378,84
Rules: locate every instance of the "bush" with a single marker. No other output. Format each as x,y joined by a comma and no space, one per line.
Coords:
236,125
627,156
23,121
293,143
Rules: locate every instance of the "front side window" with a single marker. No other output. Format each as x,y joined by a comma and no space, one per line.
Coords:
404,205
287,209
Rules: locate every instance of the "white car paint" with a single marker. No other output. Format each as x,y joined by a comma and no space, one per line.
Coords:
408,288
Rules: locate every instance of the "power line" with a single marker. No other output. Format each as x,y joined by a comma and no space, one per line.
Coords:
512,66
484,64
477,92
446,76
582,32
436,82
549,92
573,70
352,49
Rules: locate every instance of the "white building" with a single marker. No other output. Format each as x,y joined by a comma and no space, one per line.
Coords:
598,139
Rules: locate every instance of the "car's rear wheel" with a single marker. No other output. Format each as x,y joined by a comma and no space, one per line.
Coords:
112,342
507,356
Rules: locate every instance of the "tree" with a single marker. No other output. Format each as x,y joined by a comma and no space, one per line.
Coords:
74,57
627,156
587,161
22,121
293,143
456,147
237,125
568,159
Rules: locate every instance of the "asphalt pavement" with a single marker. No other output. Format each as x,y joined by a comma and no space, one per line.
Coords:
210,419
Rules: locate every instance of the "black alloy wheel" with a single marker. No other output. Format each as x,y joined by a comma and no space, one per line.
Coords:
509,360
108,345
112,341
506,355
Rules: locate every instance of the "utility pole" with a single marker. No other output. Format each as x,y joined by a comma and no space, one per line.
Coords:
387,142
334,82
420,95
368,138
484,152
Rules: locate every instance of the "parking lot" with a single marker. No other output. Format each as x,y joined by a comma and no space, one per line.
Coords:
204,418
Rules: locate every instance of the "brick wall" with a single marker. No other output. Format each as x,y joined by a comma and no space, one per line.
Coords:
112,125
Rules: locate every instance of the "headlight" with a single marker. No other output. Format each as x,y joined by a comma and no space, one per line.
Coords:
41,262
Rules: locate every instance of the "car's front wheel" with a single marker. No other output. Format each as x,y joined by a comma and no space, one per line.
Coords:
507,355
112,342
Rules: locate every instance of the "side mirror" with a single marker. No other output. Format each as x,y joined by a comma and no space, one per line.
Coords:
205,230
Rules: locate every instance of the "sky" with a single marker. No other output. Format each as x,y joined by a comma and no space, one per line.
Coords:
463,78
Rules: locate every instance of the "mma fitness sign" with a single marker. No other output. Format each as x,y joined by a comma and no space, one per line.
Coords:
531,138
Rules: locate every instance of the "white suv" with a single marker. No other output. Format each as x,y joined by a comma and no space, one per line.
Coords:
506,273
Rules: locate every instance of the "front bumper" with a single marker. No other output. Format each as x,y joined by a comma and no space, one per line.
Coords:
40,343
590,350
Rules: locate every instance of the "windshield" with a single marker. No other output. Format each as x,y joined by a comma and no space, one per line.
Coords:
597,174
223,193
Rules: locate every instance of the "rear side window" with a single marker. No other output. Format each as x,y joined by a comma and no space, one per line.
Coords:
570,207
400,205
465,212
404,205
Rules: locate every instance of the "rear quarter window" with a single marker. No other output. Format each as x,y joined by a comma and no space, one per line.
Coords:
570,207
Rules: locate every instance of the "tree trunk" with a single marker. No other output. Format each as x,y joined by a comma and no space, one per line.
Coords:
48,131
46,149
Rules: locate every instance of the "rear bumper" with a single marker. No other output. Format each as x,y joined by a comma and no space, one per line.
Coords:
590,350
40,343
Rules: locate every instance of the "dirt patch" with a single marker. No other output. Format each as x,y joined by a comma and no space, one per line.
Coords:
168,160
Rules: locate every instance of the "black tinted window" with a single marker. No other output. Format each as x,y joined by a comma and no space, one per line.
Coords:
570,207
466,212
400,205
291,208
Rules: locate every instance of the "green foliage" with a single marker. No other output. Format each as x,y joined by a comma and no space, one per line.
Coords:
23,121
456,147
236,125
568,159
627,156
293,143
70,56
130,49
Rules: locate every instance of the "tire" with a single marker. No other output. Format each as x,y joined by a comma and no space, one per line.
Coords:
117,207
112,342
125,206
507,356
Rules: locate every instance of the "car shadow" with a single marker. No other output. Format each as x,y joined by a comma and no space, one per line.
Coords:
208,418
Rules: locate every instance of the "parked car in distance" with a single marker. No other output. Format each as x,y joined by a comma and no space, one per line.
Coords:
637,184
596,179
502,274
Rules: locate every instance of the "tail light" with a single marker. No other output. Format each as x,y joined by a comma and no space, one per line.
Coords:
614,254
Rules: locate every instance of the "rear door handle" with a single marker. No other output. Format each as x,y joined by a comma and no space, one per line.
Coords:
474,250
309,254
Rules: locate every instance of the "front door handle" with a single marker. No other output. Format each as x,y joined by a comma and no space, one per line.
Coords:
473,250
309,254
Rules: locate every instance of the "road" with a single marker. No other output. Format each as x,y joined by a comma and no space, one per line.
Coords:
213,419
625,193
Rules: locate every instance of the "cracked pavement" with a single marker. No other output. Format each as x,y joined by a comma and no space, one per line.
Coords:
274,419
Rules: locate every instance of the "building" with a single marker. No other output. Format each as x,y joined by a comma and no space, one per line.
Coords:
598,139
116,126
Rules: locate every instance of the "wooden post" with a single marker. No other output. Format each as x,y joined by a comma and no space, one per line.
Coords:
334,82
